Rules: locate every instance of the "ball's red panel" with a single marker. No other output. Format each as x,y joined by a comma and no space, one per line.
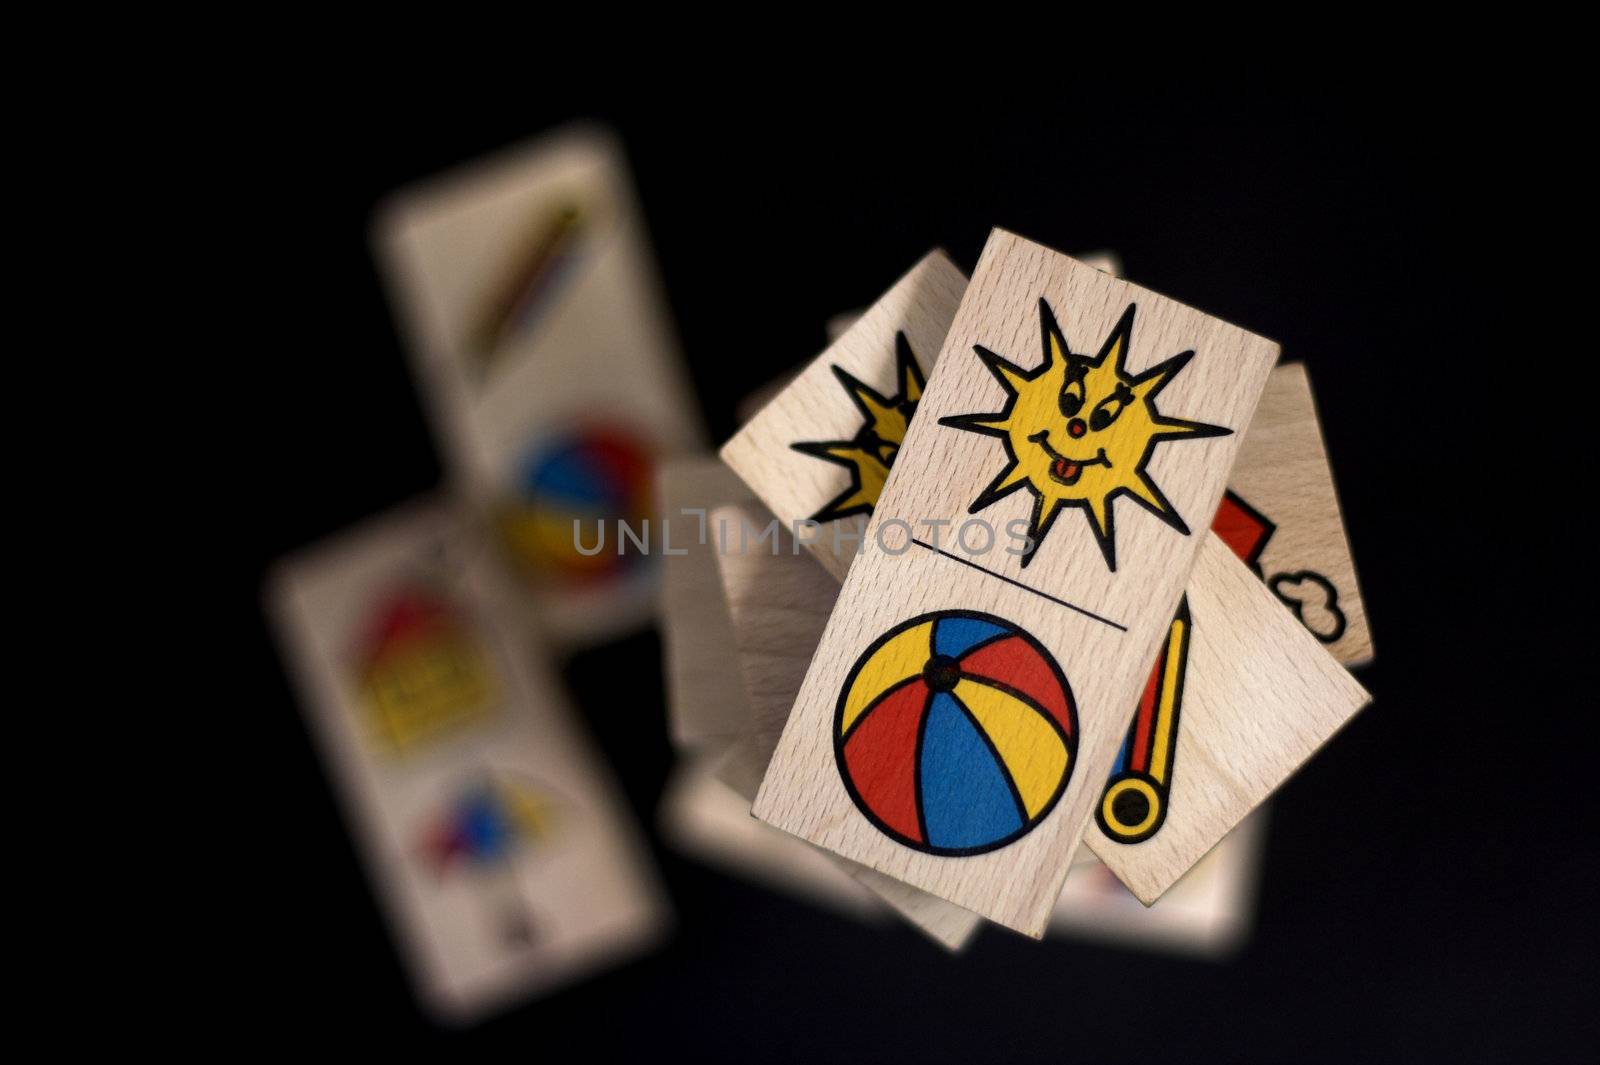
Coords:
1015,664
881,755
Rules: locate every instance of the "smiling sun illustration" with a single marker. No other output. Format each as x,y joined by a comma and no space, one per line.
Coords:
1078,432
869,454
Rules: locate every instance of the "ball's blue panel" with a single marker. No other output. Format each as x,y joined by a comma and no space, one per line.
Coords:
966,801
956,636
572,474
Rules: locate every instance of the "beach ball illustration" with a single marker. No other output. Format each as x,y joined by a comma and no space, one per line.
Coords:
596,476
955,732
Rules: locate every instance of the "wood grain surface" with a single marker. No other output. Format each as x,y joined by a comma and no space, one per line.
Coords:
780,601
705,705
1118,598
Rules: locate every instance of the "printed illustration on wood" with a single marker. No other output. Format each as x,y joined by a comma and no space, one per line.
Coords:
1098,600
550,257
1312,598
479,833
487,821
1134,806
594,476
1079,432
421,669
869,454
955,733
1244,529
1135,801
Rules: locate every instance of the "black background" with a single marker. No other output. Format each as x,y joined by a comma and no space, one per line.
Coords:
1429,882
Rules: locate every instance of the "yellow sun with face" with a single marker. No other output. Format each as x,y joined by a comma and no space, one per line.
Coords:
1079,432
